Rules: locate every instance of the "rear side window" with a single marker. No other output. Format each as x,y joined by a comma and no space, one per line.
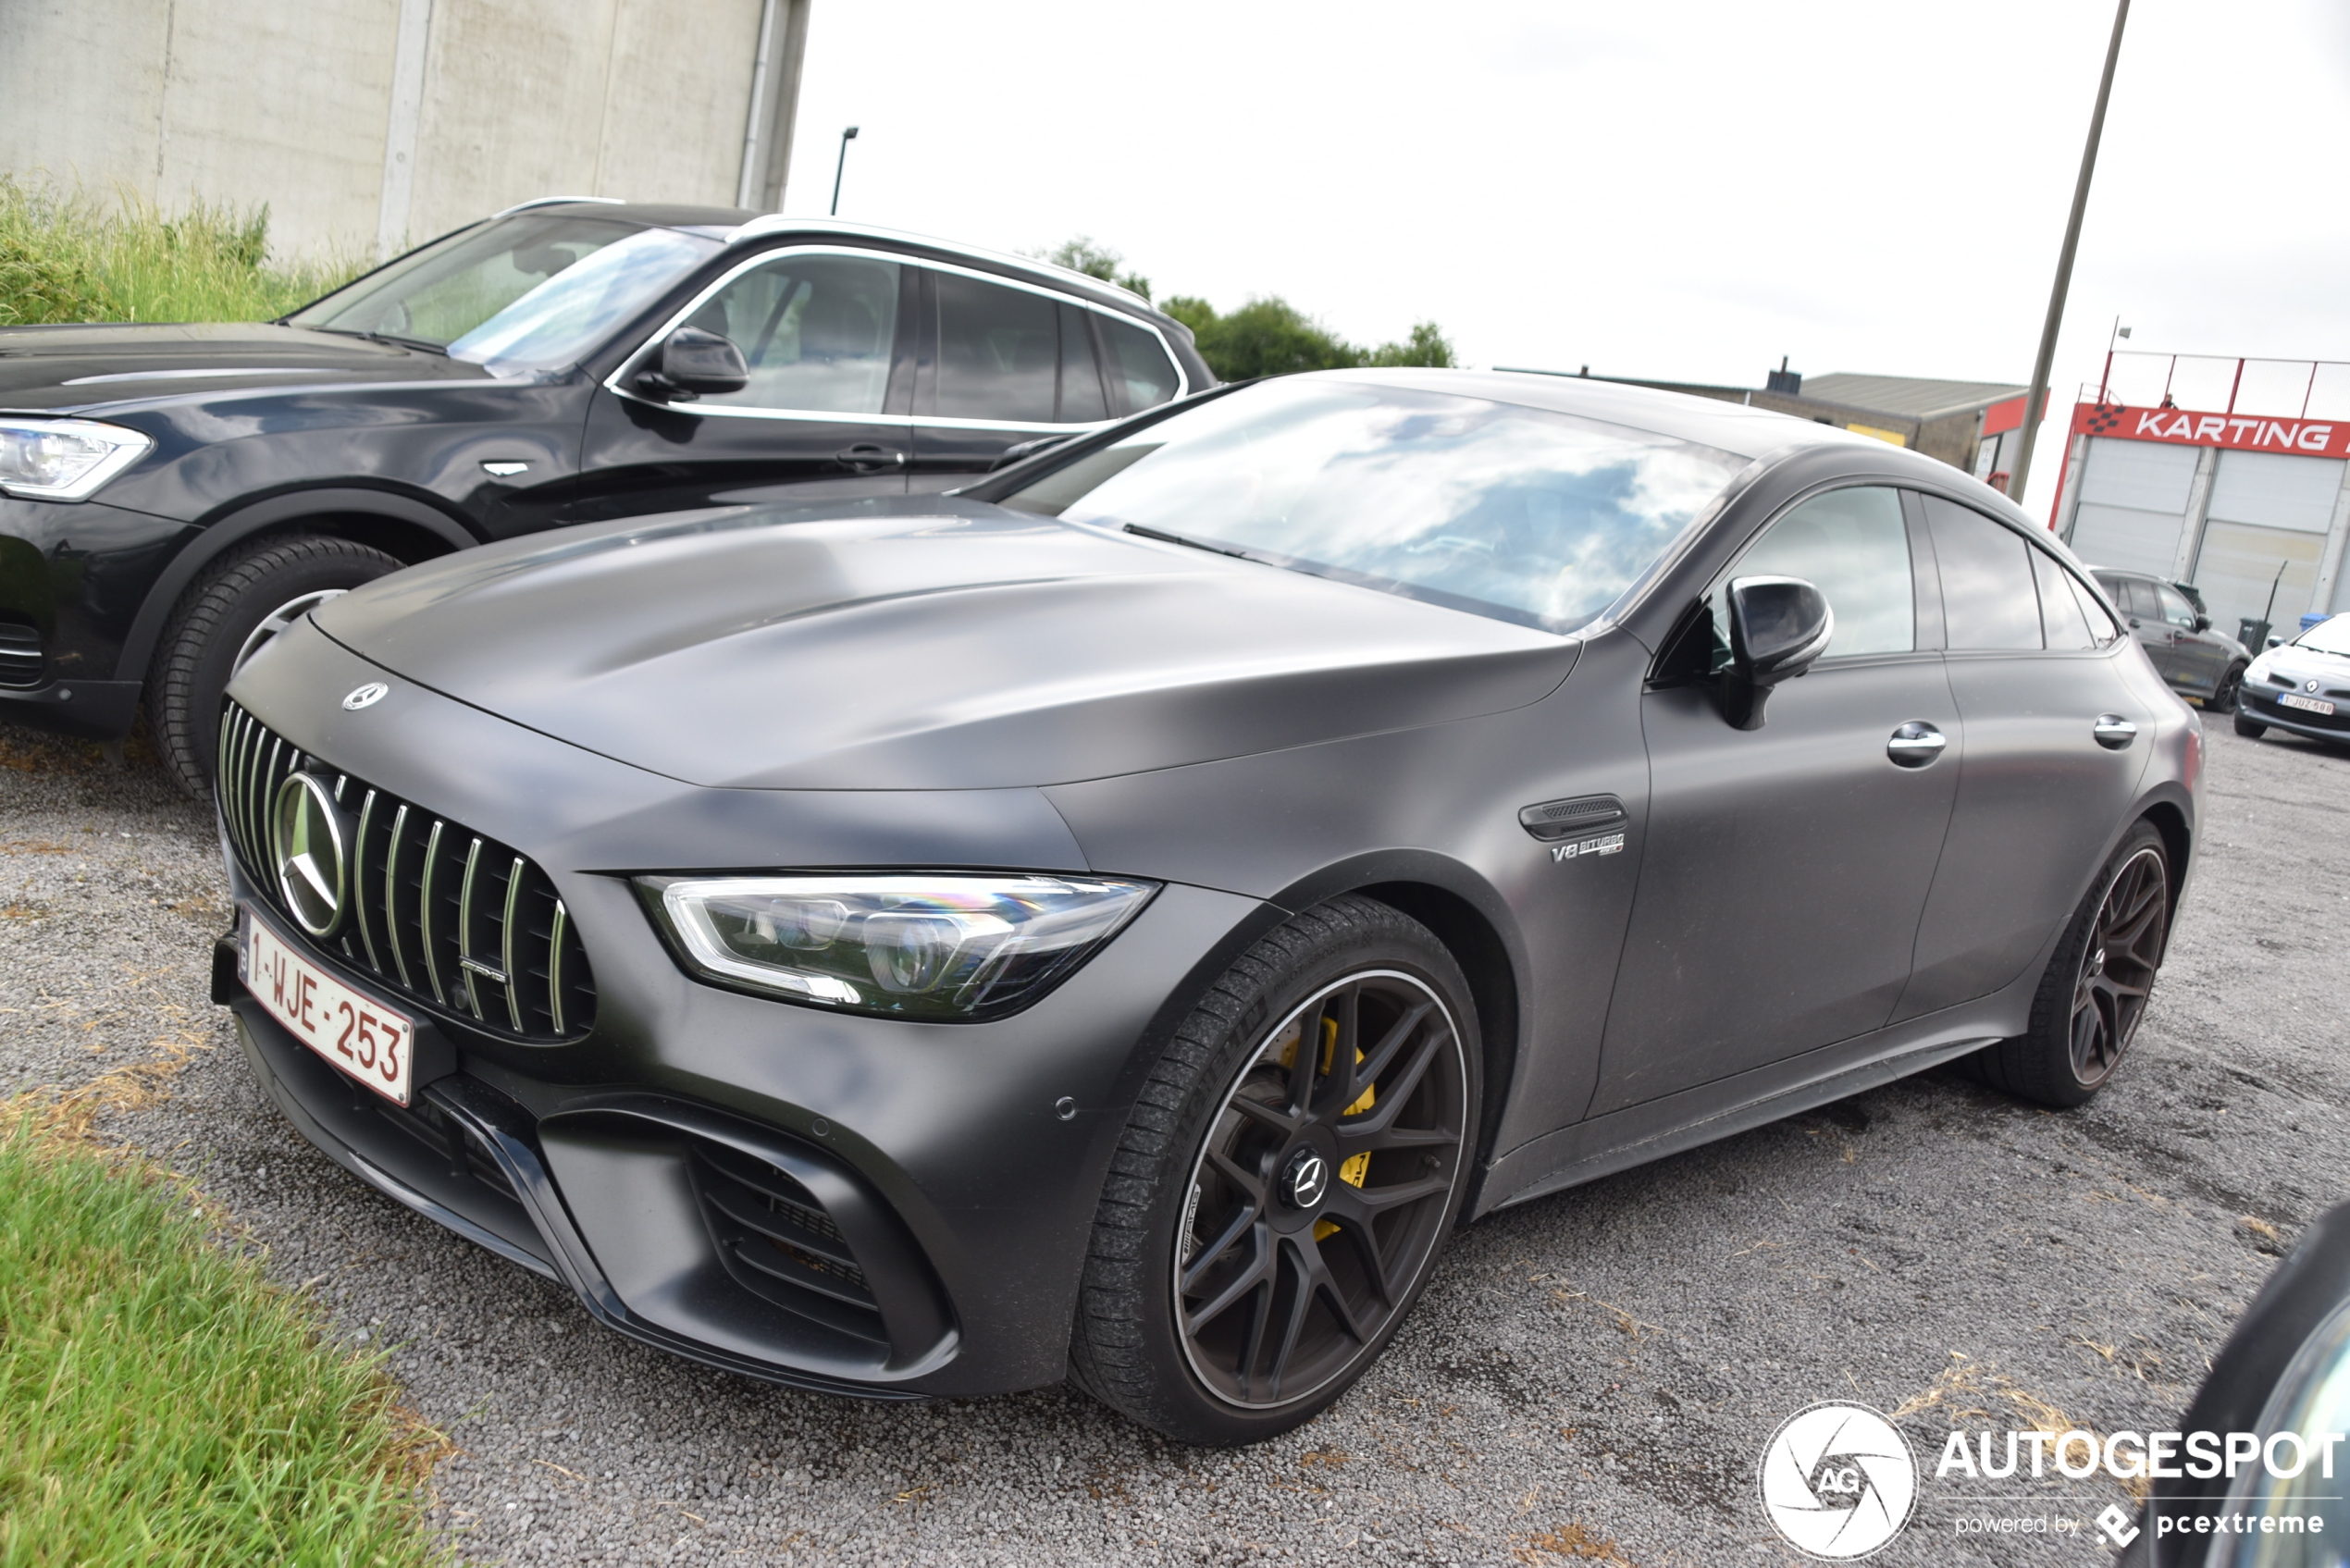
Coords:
2063,621
1139,367
1853,547
999,353
817,333
1989,600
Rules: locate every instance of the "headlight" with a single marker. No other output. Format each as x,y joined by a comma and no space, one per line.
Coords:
65,459
2257,670
949,948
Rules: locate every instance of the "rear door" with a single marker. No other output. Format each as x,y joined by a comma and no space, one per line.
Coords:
1785,868
2033,663
825,333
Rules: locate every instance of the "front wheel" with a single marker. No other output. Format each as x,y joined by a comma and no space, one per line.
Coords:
2249,728
2094,990
1286,1177
2224,697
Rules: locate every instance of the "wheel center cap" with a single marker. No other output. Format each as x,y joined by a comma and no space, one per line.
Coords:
2097,962
1305,1176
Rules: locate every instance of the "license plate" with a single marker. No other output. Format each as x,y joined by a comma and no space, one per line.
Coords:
355,1033
2306,704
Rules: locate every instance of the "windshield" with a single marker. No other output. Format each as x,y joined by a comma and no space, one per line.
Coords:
516,294
1515,513
2327,636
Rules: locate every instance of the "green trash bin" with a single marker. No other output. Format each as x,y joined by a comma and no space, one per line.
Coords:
2253,634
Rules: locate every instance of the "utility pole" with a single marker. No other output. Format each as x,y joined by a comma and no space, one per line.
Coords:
2035,407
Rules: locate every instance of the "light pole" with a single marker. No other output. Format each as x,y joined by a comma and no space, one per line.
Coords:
850,135
2036,405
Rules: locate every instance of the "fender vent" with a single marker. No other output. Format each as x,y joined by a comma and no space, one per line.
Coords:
1565,818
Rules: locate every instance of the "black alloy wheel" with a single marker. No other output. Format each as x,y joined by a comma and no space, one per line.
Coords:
2224,697
1287,1177
2094,993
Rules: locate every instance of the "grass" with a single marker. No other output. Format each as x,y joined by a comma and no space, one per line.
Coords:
161,1401
65,257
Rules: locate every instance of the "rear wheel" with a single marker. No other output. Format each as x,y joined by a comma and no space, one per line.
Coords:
2094,990
1289,1172
227,617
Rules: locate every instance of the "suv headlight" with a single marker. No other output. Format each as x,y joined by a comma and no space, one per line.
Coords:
948,947
65,459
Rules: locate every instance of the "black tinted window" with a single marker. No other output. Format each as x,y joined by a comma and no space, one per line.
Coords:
1081,400
1988,597
1139,365
816,333
1853,547
999,353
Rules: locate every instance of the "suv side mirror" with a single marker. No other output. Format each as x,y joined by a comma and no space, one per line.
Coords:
2203,622
1779,626
693,362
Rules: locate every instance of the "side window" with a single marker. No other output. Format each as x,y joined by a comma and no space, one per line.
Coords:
2063,620
2175,608
816,331
1989,596
2101,624
1853,547
1082,398
999,352
1138,364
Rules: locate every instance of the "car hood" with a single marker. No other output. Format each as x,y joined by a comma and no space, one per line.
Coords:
931,645
95,368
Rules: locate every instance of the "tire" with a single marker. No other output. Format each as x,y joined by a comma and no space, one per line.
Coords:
1214,1159
2094,993
228,615
2250,729
2224,697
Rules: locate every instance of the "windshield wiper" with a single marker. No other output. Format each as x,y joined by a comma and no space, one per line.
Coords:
1165,538
423,344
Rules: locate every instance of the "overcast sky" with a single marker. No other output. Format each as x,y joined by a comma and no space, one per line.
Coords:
1681,188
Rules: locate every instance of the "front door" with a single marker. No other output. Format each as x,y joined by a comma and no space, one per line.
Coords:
2197,658
2034,660
1785,868
823,415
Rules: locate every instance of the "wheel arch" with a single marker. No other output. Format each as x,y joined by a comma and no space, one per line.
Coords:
398,524
2169,819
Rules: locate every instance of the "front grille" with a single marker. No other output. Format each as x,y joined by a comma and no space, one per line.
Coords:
778,1243
20,661
438,912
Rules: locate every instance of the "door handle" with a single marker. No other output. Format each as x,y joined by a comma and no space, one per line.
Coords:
1915,745
2113,732
866,455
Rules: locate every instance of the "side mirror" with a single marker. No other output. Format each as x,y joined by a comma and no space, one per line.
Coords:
2203,622
2274,642
693,362
1779,626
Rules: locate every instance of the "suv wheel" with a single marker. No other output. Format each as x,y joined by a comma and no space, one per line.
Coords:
229,615
1288,1174
2094,990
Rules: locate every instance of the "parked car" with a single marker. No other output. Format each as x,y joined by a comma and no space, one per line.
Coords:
2169,622
1120,916
2286,1370
2302,686
173,497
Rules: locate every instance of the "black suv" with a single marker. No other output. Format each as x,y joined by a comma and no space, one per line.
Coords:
2170,622
172,497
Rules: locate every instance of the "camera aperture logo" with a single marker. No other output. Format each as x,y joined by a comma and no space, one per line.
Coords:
1838,1481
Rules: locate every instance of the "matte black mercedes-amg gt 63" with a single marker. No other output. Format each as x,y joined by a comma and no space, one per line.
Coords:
1118,919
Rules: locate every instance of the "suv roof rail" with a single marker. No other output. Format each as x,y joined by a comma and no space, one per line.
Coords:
558,202
776,223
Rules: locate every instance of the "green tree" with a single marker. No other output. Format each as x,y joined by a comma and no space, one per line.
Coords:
1086,255
1425,346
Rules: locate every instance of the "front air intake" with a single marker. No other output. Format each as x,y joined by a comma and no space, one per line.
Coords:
437,912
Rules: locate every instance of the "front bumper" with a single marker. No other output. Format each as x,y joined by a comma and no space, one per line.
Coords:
929,1167
76,575
2258,703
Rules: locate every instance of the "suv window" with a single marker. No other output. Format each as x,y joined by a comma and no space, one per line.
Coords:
816,331
2175,608
1988,597
1138,364
1854,548
999,353
1082,398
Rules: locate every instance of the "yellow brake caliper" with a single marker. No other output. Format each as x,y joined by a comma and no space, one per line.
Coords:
1356,1170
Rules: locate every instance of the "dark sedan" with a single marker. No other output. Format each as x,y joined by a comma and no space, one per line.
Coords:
1117,920
171,498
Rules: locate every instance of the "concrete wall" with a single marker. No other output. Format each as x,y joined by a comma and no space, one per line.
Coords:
357,142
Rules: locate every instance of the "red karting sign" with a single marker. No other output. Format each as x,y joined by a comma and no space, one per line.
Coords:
2240,432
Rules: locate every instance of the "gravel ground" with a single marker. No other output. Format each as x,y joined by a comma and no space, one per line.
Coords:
1591,1377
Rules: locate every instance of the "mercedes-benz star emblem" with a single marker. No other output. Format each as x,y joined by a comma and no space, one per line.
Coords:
307,840
366,695
1303,1180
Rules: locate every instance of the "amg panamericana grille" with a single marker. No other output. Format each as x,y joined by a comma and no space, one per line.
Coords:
434,911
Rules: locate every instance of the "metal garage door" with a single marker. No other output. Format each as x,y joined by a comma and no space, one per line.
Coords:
2268,512
2133,503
